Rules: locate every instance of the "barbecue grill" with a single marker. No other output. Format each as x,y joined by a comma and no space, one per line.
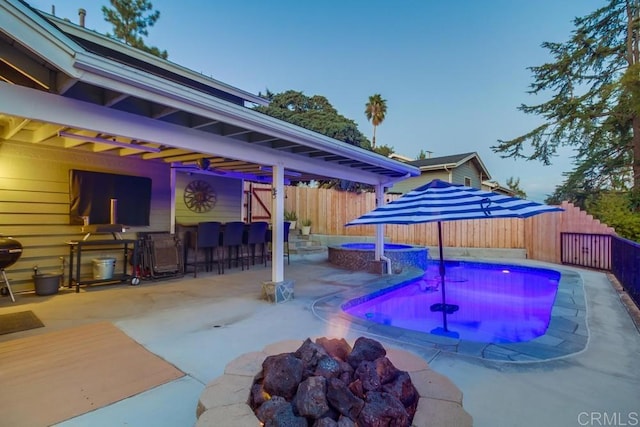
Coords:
10,252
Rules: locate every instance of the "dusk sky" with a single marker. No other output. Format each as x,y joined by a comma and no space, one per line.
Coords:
453,72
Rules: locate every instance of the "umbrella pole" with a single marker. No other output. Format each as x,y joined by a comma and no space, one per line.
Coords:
444,303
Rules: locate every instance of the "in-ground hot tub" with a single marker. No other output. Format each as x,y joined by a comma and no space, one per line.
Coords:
361,256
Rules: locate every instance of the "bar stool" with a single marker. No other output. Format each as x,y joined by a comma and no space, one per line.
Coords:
287,227
206,239
232,240
256,236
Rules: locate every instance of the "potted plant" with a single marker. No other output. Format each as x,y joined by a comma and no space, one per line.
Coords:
292,217
306,226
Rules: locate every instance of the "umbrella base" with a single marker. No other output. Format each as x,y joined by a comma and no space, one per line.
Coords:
445,333
447,308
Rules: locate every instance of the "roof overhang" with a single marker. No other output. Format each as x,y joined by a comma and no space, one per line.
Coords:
172,109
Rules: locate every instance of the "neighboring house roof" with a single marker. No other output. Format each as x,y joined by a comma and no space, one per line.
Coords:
449,162
497,188
400,157
132,103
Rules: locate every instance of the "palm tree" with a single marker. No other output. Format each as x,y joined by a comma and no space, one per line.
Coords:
376,110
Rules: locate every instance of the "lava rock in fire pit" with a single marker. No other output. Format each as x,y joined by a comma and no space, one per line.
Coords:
365,349
327,383
282,374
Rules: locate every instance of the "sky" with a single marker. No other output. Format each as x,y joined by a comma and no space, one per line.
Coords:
453,72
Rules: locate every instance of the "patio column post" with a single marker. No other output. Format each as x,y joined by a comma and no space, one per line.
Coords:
172,184
277,224
379,252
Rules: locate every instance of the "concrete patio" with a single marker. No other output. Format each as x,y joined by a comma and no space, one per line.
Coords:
200,325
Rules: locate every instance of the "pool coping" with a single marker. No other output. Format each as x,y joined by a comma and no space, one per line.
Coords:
566,335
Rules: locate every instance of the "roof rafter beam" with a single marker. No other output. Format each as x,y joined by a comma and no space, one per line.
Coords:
37,105
204,123
258,138
112,98
104,72
165,153
158,113
281,144
190,157
14,75
46,131
15,125
229,164
34,71
238,133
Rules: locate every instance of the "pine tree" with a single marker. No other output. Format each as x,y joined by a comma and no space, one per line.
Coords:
130,20
593,92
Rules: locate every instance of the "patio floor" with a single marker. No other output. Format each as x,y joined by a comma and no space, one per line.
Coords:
199,325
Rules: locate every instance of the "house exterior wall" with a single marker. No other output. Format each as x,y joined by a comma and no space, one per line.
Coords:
228,206
455,175
34,204
467,170
409,184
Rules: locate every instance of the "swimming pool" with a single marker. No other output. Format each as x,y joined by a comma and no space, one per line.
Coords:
498,303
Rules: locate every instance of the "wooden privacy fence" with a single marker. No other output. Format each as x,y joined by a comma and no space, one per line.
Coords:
330,210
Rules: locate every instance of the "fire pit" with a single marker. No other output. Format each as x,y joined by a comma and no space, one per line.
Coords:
329,381
258,381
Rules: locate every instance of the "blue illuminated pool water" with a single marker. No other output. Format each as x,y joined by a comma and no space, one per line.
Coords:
497,303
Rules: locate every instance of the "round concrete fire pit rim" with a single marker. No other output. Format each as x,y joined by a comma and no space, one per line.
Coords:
224,400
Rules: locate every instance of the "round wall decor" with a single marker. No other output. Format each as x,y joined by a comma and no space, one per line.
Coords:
199,196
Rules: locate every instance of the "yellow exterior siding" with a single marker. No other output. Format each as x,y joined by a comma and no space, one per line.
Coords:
34,204
228,205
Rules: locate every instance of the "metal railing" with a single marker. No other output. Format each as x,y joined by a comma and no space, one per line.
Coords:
605,252
625,265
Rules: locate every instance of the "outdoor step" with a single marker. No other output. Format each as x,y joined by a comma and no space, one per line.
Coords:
295,234
295,237
307,249
304,243
299,244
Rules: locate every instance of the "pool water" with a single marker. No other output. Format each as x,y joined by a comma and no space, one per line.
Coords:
497,303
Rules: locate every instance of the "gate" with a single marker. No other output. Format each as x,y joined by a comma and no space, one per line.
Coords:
586,250
257,202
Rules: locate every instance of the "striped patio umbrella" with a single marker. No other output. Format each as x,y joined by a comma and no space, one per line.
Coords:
440,201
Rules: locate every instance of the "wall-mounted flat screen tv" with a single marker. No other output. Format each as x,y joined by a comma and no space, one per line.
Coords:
90,196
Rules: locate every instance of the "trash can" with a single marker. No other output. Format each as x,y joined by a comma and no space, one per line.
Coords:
103,268
47,284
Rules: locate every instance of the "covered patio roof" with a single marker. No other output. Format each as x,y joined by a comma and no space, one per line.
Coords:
66,86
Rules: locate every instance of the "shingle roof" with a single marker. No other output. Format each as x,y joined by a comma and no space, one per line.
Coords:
451,161
444,160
